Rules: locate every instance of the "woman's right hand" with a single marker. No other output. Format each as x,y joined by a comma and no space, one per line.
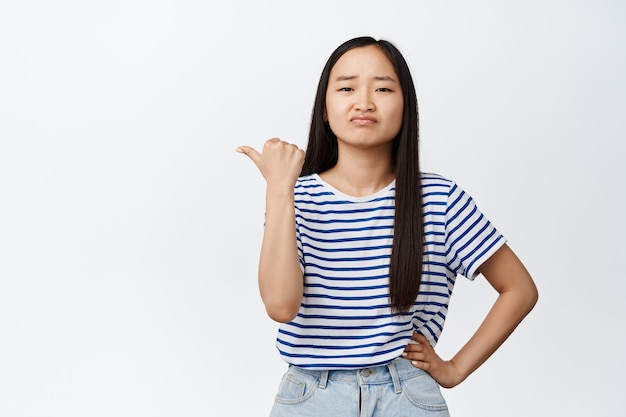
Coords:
280,162
280,274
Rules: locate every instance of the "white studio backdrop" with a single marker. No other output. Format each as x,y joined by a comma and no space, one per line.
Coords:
130,228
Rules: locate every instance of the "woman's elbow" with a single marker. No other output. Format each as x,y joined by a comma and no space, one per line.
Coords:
531,295
535,295
282,312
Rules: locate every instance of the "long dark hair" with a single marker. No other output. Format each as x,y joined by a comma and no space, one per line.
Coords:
405,269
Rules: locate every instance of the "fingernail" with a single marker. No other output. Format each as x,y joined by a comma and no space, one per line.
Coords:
414,363
239,150
404,354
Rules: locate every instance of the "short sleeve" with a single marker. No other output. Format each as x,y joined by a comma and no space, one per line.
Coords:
470,237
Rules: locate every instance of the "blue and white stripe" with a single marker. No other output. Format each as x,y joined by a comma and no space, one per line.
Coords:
344,244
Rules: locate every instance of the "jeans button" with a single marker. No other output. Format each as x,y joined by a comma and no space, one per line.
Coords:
366,372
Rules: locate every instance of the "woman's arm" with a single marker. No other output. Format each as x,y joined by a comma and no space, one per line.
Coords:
517,296
280,276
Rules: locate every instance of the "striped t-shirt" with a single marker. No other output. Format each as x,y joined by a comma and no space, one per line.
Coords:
344,243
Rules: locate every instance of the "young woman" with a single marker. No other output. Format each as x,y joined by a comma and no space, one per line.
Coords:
361,251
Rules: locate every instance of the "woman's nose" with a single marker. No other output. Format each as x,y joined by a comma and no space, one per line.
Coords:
364,102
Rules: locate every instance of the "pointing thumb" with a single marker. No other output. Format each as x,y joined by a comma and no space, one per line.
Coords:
250,152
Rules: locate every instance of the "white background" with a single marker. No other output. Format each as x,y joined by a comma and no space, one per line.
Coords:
130,228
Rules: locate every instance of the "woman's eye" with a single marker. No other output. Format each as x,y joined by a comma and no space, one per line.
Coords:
383,89
345,89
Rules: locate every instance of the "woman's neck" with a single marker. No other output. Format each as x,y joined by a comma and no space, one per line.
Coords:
360,174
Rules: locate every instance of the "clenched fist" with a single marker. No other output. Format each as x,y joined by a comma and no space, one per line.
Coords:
280,162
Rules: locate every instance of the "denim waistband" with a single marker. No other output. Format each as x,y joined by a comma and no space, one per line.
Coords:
393,372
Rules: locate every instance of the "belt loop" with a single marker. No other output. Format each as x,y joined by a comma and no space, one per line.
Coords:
394,377
323,379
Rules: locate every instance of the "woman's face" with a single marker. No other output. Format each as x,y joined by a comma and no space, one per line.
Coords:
364,102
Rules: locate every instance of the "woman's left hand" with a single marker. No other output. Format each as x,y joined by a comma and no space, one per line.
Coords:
423,356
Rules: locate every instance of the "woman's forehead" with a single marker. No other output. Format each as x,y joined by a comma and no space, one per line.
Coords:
365,61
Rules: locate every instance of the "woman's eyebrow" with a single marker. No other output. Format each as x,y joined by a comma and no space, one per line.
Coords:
346,77
385,78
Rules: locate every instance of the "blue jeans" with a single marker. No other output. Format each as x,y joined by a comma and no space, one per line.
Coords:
394,390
